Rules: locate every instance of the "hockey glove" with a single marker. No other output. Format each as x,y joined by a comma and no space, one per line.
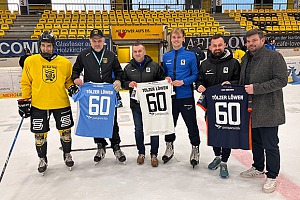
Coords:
117,85
24,107
73,89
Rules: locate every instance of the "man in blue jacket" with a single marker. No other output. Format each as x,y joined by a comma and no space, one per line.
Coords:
180,67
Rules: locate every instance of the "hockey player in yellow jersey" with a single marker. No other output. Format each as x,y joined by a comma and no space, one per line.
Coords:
45,78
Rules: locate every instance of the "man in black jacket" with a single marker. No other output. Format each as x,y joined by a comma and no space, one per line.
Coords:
23,58
219,68
142,69
98,65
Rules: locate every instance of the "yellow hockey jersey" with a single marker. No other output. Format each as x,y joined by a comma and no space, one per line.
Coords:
45,82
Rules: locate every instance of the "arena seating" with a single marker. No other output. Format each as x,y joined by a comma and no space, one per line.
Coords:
78,24
268,20
6,19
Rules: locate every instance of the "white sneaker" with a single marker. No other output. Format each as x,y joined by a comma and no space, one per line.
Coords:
252,172
270,185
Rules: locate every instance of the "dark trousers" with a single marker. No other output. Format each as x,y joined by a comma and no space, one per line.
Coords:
225,152
265,141
139,133
115,136
187,109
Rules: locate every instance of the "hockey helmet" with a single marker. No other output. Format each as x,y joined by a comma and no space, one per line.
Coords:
47,36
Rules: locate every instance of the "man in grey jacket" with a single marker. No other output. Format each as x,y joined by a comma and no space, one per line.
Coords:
264,74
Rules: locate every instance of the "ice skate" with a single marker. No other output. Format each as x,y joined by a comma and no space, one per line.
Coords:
194,158
169,153
43,165
120,156
68,160
100,153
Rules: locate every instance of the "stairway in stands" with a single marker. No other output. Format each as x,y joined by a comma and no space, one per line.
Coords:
230,25
22,28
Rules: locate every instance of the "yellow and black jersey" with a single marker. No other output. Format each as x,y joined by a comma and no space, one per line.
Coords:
45,82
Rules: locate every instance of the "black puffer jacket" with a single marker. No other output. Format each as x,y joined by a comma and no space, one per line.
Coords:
215,70
150,72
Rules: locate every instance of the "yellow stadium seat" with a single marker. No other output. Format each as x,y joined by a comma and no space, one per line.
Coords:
8,21
73,26
206,29
56,26
106,32
2,33
213,30
37,32
40,26
184,20
34,37
51,21
64,32
72,32
221,29
89,26
82,21
55,32
74,21
209,24
65,26
58,21
52,16
67,21
82,26
192,30
216,24
81,32
45,16
12,16
227,33
48,26
98,26
62,36
42,21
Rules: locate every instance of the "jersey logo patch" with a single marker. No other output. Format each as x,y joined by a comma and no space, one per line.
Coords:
105,60
182,61
225,70
147,69
49,74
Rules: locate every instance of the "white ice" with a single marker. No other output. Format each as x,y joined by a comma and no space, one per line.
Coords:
112,180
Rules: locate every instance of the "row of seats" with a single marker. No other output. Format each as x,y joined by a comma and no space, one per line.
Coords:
282,29
8,12
72,35
123,16
263,11
126,20
144,11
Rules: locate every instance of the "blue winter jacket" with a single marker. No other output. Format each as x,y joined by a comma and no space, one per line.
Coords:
184,64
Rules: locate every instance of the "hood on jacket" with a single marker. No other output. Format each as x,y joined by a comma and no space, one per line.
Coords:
226,55
147,58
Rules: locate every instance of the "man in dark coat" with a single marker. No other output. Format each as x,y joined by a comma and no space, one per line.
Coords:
264,74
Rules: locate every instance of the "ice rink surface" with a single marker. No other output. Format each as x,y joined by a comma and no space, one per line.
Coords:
112,180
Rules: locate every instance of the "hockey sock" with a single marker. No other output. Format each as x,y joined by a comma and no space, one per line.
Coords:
65,139
41,144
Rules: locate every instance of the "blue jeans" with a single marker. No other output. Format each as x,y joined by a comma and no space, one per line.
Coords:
139,133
